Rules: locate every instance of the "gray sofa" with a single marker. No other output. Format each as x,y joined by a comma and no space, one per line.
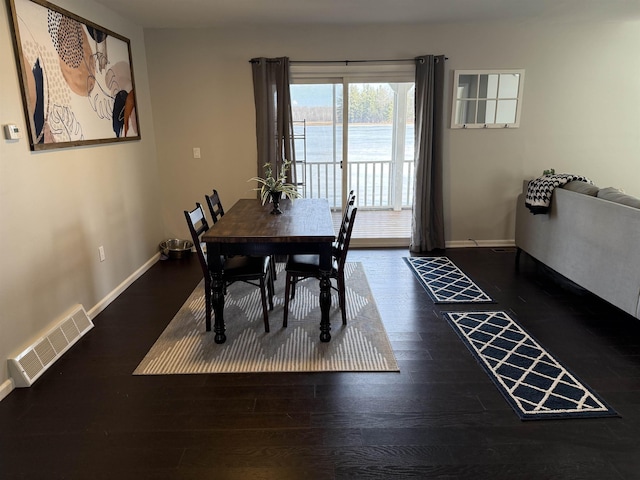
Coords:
591,236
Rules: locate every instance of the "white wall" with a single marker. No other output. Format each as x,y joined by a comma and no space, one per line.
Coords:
57,206
580,108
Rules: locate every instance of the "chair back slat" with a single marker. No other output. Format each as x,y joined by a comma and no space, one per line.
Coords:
341,233
344,237
215,206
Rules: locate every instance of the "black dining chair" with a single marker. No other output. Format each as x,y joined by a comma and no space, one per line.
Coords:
307,266
252,270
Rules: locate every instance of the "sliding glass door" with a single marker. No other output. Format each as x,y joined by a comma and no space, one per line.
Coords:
356,133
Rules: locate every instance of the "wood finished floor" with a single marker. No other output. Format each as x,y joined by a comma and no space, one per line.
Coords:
376,224
440,417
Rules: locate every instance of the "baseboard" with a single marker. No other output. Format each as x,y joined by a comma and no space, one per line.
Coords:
379,242
405,242
6,388
480,243
104,303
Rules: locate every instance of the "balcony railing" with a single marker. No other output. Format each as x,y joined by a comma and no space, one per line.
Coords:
376,183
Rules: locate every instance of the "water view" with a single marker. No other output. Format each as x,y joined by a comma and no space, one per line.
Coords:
371,170
366,143
380,156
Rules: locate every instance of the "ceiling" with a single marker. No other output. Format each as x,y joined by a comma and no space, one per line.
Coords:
211,13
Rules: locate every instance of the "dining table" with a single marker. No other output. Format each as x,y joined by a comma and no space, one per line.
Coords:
305,226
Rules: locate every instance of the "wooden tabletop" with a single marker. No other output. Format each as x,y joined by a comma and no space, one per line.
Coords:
247,221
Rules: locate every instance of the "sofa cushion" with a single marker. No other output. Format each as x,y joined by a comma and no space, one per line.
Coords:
582,187
615,195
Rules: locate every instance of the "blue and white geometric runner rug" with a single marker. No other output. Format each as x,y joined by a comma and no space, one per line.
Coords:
535,384
445,282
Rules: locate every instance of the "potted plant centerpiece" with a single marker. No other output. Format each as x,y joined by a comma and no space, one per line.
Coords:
274,188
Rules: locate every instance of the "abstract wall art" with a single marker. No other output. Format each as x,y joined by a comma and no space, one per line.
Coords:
76,78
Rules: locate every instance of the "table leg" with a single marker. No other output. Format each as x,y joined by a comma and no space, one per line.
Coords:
218,309
325,306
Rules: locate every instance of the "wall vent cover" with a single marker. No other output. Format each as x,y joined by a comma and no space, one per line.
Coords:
27,367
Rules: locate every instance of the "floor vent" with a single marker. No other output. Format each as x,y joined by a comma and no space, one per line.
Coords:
27,367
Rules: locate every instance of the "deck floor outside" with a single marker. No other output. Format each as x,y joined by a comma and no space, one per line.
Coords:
380,228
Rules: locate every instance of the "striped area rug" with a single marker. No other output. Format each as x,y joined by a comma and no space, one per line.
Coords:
185,347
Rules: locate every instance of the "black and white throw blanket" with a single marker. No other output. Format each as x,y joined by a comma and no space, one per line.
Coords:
540,190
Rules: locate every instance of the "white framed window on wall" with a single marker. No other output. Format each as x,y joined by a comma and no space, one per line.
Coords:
487,98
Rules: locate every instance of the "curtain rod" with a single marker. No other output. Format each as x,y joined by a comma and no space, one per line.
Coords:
346,62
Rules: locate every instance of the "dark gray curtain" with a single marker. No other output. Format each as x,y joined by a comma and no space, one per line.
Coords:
274,127
427,226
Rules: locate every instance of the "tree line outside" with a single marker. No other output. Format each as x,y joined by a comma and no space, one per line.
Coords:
368,103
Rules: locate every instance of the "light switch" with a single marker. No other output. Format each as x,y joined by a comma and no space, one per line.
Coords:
196,152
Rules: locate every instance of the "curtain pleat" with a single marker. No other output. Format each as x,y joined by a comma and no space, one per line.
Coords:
427,226
274,126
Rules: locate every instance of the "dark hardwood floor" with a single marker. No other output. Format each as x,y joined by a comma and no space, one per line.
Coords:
441,417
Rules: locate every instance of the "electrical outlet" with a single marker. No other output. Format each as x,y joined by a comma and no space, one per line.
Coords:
101,252
196,152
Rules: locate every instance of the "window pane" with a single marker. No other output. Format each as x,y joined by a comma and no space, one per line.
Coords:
509,85
370,117
486,111
318,110
482,109
466,111
506,112
488,86
468,86
371,142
